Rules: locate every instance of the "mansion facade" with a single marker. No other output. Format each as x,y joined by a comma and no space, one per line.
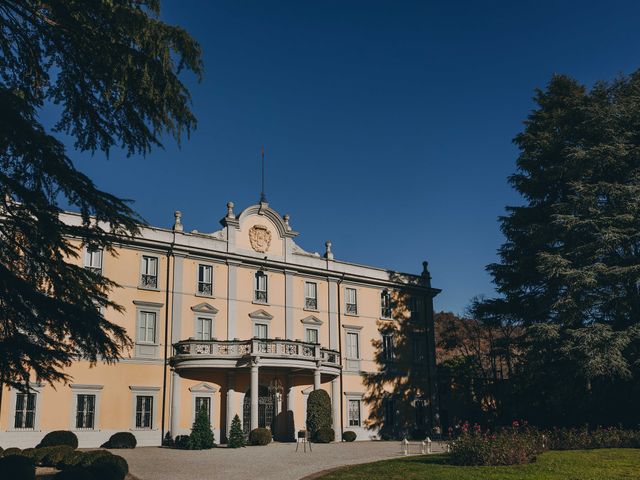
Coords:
243,321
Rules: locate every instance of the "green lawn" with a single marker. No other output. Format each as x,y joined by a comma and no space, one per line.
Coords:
609,464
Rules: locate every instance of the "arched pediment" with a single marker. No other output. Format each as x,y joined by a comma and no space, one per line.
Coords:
284,230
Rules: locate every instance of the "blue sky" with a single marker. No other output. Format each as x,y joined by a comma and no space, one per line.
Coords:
387,124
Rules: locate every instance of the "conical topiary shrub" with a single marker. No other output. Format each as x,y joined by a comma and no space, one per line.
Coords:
236,435
201,434
318,412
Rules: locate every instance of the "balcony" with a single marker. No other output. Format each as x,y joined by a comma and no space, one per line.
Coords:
269,352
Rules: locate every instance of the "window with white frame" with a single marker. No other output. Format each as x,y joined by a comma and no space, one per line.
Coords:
147,327
260,330
310,295
351,301
205,279
353,348
25,414
261,287
388,353
312,335
203,402
149,273
354,412
418,344
385,304
85,411
144,411
93,259
203,328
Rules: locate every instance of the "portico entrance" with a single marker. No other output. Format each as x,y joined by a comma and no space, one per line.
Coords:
266,408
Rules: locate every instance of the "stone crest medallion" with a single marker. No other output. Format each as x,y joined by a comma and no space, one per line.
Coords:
260,238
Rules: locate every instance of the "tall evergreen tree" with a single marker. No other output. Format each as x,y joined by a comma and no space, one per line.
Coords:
111,68
236,435
570,265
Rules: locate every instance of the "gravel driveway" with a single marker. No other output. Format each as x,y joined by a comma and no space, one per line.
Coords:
276,461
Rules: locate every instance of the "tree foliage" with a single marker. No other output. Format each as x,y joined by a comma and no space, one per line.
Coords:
318,411
236,435
569,271
110,69
201,436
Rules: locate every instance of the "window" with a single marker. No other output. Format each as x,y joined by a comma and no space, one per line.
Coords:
352,345
418,349
261,287
310,296
203,328
385,304
205,279
149,276
204,402
415,306
25,410
387,347
144,411
93,259
261,330
351,299
147,327
354,413
312,335
389,412
85,411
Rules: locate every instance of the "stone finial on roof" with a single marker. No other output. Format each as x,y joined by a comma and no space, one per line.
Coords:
286,222
328,254
177,224
425,273
230,213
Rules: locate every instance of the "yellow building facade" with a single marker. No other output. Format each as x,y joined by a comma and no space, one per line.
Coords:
243,321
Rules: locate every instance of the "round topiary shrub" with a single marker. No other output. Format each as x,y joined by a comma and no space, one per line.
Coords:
182,441
75,473
59,437
260,436
111,467
11,451
17,467
87,458
325,435
122,440
349,436
55,455
69,460
318,411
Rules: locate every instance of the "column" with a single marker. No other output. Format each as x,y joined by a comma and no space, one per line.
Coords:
231,390
175,404
316,379
291,404
254,395
335,407
288,302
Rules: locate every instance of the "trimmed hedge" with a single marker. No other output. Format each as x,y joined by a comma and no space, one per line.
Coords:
54,455
109,467
75,473
260,436
70,460
325,435
59,437
349,436
121,440
11,451
181,441
88,458
318,412
17,467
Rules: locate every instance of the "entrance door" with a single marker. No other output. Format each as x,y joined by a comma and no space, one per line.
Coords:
265,410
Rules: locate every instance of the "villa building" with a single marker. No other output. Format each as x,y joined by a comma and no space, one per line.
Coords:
243,321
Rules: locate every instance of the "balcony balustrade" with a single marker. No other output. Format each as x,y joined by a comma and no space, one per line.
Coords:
264,348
